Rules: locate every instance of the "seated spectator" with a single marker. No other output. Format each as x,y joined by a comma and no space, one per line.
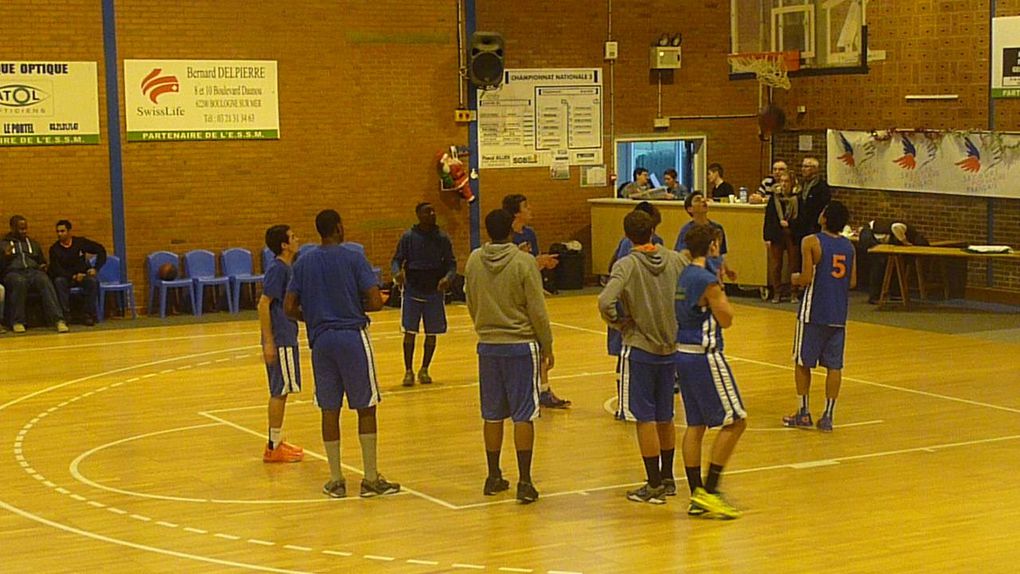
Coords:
638,187
69,267
24,268
674,189
764,190
885,231
780,213
720,188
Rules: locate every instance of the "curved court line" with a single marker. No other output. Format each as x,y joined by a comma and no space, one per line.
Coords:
76,473
34,394
102,538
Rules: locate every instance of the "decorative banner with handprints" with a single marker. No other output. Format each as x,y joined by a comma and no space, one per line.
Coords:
48,103
186,100
963,163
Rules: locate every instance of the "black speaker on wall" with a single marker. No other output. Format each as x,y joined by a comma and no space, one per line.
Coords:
485,59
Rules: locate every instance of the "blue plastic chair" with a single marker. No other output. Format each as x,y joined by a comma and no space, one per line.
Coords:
237,266
153,261
109,282
354,246
201,264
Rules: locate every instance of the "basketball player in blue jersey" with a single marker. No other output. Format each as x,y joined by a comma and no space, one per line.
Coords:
711,397
829,272
614,339
424,265
331,289
279,342
643,285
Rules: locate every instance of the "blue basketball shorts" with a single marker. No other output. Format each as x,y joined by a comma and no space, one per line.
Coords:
343,364
711,397
416,308
646,382
508,381
819,344
614,342
285,374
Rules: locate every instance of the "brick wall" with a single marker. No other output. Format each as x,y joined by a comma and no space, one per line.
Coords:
48,183
368,91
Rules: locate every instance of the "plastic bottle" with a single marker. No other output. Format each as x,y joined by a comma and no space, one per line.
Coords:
743,194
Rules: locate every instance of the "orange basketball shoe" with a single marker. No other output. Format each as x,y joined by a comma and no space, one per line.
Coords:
282,454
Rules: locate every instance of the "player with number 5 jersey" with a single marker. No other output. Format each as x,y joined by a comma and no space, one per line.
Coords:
828,272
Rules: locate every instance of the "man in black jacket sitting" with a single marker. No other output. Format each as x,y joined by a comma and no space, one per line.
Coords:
24,268
69,267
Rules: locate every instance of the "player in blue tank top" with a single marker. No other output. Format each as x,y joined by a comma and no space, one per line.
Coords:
279,342
829,271
331,289
710,394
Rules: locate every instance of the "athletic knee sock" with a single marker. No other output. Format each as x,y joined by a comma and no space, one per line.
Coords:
652,470
714,475
492,458
430,349
666,457
524,465
408,354
693,477
333,456
275,437
830,408
804,404
368,444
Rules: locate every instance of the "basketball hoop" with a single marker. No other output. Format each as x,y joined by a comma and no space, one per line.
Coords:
771,68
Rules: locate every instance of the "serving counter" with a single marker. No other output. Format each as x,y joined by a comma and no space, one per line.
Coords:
742,222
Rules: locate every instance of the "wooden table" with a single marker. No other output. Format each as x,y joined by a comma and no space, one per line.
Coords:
899,260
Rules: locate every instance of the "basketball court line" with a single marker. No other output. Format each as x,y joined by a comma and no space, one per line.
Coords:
845,378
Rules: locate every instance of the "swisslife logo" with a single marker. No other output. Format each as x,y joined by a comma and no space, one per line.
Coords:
156,86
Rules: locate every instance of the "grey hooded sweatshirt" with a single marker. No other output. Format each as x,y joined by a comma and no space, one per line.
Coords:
504,296
644,283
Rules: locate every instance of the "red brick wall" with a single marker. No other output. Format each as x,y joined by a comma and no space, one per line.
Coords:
48,183
932,47
367,95
571,34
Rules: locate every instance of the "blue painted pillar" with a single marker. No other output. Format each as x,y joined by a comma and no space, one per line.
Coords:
113,134
475,208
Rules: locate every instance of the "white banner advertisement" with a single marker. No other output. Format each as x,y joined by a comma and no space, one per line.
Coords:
49,103
1006,57
985,164
182,100
537,114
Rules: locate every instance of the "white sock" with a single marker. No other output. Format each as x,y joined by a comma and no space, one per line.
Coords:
332,448
368,454
275,437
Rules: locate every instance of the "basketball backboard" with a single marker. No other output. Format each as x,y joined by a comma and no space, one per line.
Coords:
831,35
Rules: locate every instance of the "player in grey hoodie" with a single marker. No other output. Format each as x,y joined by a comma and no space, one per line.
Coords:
644,283
506,303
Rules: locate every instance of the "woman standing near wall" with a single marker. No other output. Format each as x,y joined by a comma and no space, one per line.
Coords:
781,211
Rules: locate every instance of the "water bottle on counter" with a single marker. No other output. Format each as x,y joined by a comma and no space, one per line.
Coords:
743,194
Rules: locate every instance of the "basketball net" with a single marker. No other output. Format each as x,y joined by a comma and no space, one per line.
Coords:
770,68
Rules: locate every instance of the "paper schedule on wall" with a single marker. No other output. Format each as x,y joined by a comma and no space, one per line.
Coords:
536,112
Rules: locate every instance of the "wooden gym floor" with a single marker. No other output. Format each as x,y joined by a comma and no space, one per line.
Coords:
139,450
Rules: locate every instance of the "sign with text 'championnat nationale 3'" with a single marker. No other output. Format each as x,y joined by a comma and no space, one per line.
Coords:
48,103
188,100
